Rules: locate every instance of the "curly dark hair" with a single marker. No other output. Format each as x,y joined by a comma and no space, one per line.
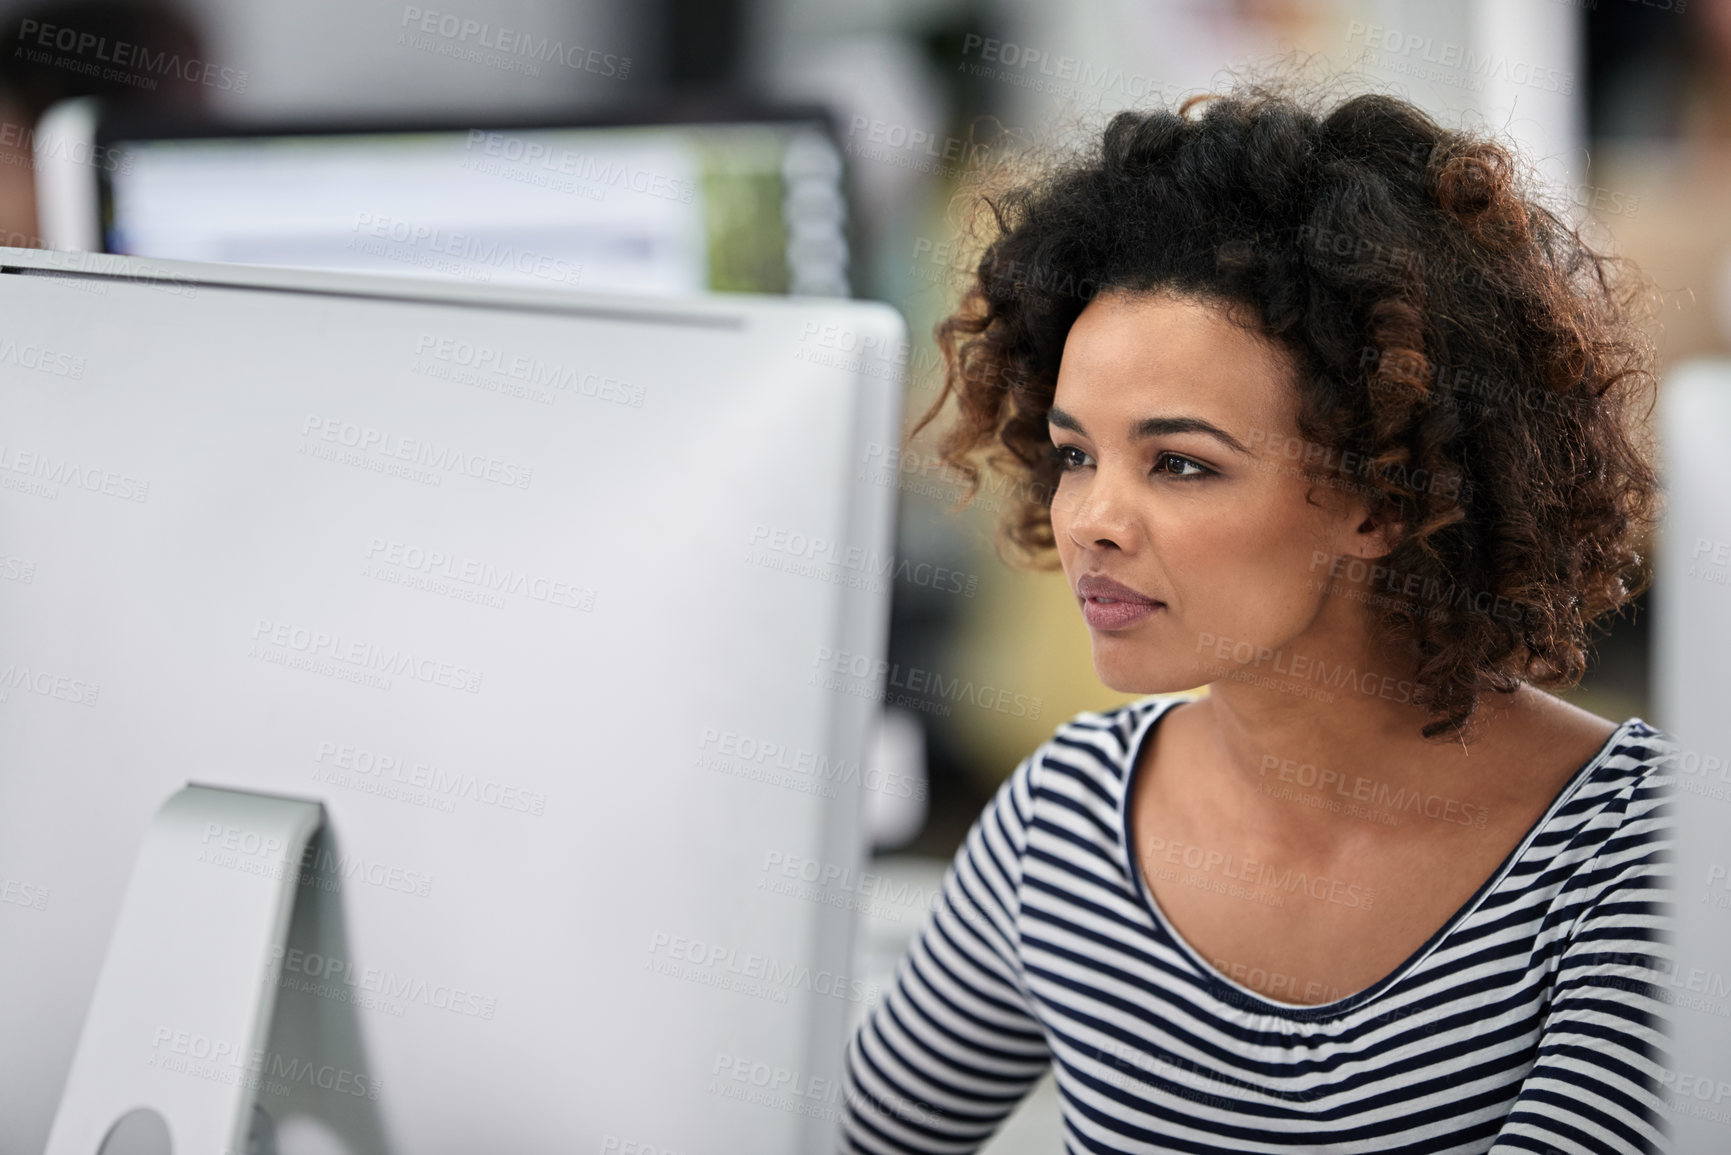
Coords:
1415,279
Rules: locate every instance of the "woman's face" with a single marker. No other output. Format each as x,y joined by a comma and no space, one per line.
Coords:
1176,432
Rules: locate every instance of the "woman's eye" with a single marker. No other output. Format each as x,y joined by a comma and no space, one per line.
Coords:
1068,457
1199,470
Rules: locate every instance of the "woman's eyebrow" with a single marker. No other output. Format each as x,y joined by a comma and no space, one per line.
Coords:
1156,427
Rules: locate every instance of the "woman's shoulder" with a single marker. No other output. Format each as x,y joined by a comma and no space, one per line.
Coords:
1098,745
1610,841
1635,758
1639,766
1081,768
1579,761
1618,808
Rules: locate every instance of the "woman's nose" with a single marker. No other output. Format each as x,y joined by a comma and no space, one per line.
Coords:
1102,512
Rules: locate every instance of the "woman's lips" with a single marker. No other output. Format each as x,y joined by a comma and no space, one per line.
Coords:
1109,604
1103,614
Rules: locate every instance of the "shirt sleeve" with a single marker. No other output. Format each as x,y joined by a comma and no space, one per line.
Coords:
1598,1083
953,1046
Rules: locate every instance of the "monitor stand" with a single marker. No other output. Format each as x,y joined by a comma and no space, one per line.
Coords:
168,1060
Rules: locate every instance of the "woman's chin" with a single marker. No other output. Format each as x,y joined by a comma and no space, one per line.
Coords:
1141,680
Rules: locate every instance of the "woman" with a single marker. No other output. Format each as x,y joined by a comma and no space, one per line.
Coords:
1320,410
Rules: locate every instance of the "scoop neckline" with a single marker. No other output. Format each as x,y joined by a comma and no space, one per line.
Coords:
1243,997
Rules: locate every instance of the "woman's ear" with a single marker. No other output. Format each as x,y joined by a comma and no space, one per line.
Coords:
1366,535
1375,538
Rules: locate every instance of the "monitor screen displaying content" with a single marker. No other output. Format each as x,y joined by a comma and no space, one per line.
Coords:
755,207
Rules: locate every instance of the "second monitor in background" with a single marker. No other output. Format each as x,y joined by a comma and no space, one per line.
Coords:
675,203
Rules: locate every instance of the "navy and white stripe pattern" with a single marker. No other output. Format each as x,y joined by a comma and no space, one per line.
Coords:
1533,1021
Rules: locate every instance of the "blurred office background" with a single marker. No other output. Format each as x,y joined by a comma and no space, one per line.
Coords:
1624,104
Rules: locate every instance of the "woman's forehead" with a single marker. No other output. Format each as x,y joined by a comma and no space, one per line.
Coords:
1127,353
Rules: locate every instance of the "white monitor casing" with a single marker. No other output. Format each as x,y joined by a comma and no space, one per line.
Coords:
525,587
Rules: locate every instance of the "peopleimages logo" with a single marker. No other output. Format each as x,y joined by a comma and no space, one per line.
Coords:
1063,76
471,255
362,767
93,51
821,558
481,575
29,142
855,673
35,680
753,756
226,1061
365,439
513,42
1453,63
585,169
64,471
531,370
361,655
23,894
758,975
32,356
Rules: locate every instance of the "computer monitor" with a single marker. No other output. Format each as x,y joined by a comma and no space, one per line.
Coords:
552,600
683,200
1692,690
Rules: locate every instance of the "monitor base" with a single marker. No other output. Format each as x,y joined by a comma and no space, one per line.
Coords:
169,1057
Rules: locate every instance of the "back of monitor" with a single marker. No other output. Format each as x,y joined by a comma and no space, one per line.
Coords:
505,582
1692,692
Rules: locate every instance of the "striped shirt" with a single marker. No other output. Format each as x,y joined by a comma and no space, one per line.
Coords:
1534,1020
